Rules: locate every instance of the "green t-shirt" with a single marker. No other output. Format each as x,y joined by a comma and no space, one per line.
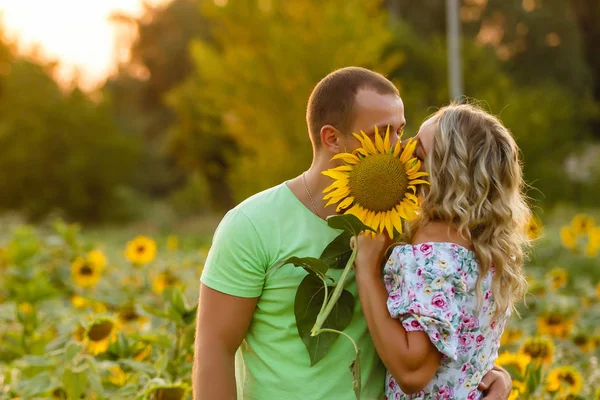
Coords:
272,362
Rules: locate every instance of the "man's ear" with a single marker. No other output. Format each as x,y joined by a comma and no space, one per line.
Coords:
331,139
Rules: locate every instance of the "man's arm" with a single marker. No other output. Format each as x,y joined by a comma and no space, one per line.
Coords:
221,325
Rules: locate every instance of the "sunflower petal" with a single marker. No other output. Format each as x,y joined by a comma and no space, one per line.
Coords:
412,168
376,221
397,148
379,142
412,197
418,175
389,225
397,220
408,151
418,182
387,145
335,174
336,185
346,157
347,202
368,144
339,192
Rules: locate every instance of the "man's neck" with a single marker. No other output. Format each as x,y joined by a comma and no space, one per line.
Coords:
309,187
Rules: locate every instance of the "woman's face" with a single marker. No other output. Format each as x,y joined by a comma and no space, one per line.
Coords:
425,139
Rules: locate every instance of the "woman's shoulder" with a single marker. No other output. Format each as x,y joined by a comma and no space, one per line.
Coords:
440,232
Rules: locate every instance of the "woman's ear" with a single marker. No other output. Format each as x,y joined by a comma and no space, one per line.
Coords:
331,139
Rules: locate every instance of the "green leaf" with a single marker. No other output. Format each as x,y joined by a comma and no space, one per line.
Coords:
178,301
126,392
155,312
139,366
514,372
337,253
534,377
348,223
75,383
71,350
94,377
310,264
356,378
307,305
39,384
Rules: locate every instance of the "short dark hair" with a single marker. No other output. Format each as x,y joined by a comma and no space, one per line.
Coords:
332,100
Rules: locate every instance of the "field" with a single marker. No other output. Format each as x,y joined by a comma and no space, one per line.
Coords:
109,314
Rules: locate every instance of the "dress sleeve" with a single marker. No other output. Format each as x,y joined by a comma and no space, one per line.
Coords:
422,282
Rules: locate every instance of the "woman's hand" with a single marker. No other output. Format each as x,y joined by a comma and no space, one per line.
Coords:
371,251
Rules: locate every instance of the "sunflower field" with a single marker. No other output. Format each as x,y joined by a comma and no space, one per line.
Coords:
86,318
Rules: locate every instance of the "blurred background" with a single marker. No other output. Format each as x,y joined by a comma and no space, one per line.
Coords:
128,127
123,110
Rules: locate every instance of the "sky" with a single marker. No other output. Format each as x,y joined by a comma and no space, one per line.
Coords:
77,33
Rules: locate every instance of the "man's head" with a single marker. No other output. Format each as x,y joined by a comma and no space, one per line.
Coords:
350,100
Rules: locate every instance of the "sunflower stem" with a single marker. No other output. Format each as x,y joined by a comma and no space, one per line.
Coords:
337,292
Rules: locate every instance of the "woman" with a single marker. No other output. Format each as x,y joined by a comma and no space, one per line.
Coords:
437,317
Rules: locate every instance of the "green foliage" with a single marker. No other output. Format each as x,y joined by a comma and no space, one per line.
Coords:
60,150
258,75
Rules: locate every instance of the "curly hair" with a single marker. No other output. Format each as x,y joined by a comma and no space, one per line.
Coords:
477,187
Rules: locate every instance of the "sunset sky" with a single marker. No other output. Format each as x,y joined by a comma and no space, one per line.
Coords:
77,33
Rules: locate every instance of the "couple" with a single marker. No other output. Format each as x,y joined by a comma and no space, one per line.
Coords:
437,338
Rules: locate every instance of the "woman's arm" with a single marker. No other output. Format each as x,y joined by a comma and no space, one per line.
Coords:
410,357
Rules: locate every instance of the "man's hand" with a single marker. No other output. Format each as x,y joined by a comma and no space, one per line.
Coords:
496,384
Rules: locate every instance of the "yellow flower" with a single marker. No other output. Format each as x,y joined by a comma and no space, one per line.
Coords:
564,381
554,324
100,334
518,361
534,228
597,395
140,250
558,277
510,335
80,302
377,183
97,258
568,237
118,377
172,243
141,355
130,320
518,388
582,223
85,273
591,250
584,342
540,349
167,391
163,280
598,290
26,308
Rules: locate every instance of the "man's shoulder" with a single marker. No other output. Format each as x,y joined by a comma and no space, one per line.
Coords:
268,202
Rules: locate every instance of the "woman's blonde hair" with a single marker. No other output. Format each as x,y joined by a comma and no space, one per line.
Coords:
477,187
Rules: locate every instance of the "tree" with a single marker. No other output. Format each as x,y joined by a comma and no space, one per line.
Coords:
60,150
257,76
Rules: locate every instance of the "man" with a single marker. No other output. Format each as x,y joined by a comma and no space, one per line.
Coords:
241,307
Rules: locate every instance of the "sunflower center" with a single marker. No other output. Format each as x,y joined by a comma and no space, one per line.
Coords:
140,249
378,182
568,377
168,394
129,315
555,320
86,270
100,331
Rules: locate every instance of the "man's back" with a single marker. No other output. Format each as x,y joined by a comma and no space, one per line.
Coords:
272,362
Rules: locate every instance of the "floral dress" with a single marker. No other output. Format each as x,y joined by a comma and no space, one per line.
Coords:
431,288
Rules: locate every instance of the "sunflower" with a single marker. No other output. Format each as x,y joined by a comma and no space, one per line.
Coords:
518,361
510,335
97,258
591,250
584,342
534,227
539,349
130,320
597,395
568,237
173,391
118,377
100,334
564,381
172,243
518,388
558,277
25,308
140,250
582,223
378,183
143,352
164,279
85,272
554,324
